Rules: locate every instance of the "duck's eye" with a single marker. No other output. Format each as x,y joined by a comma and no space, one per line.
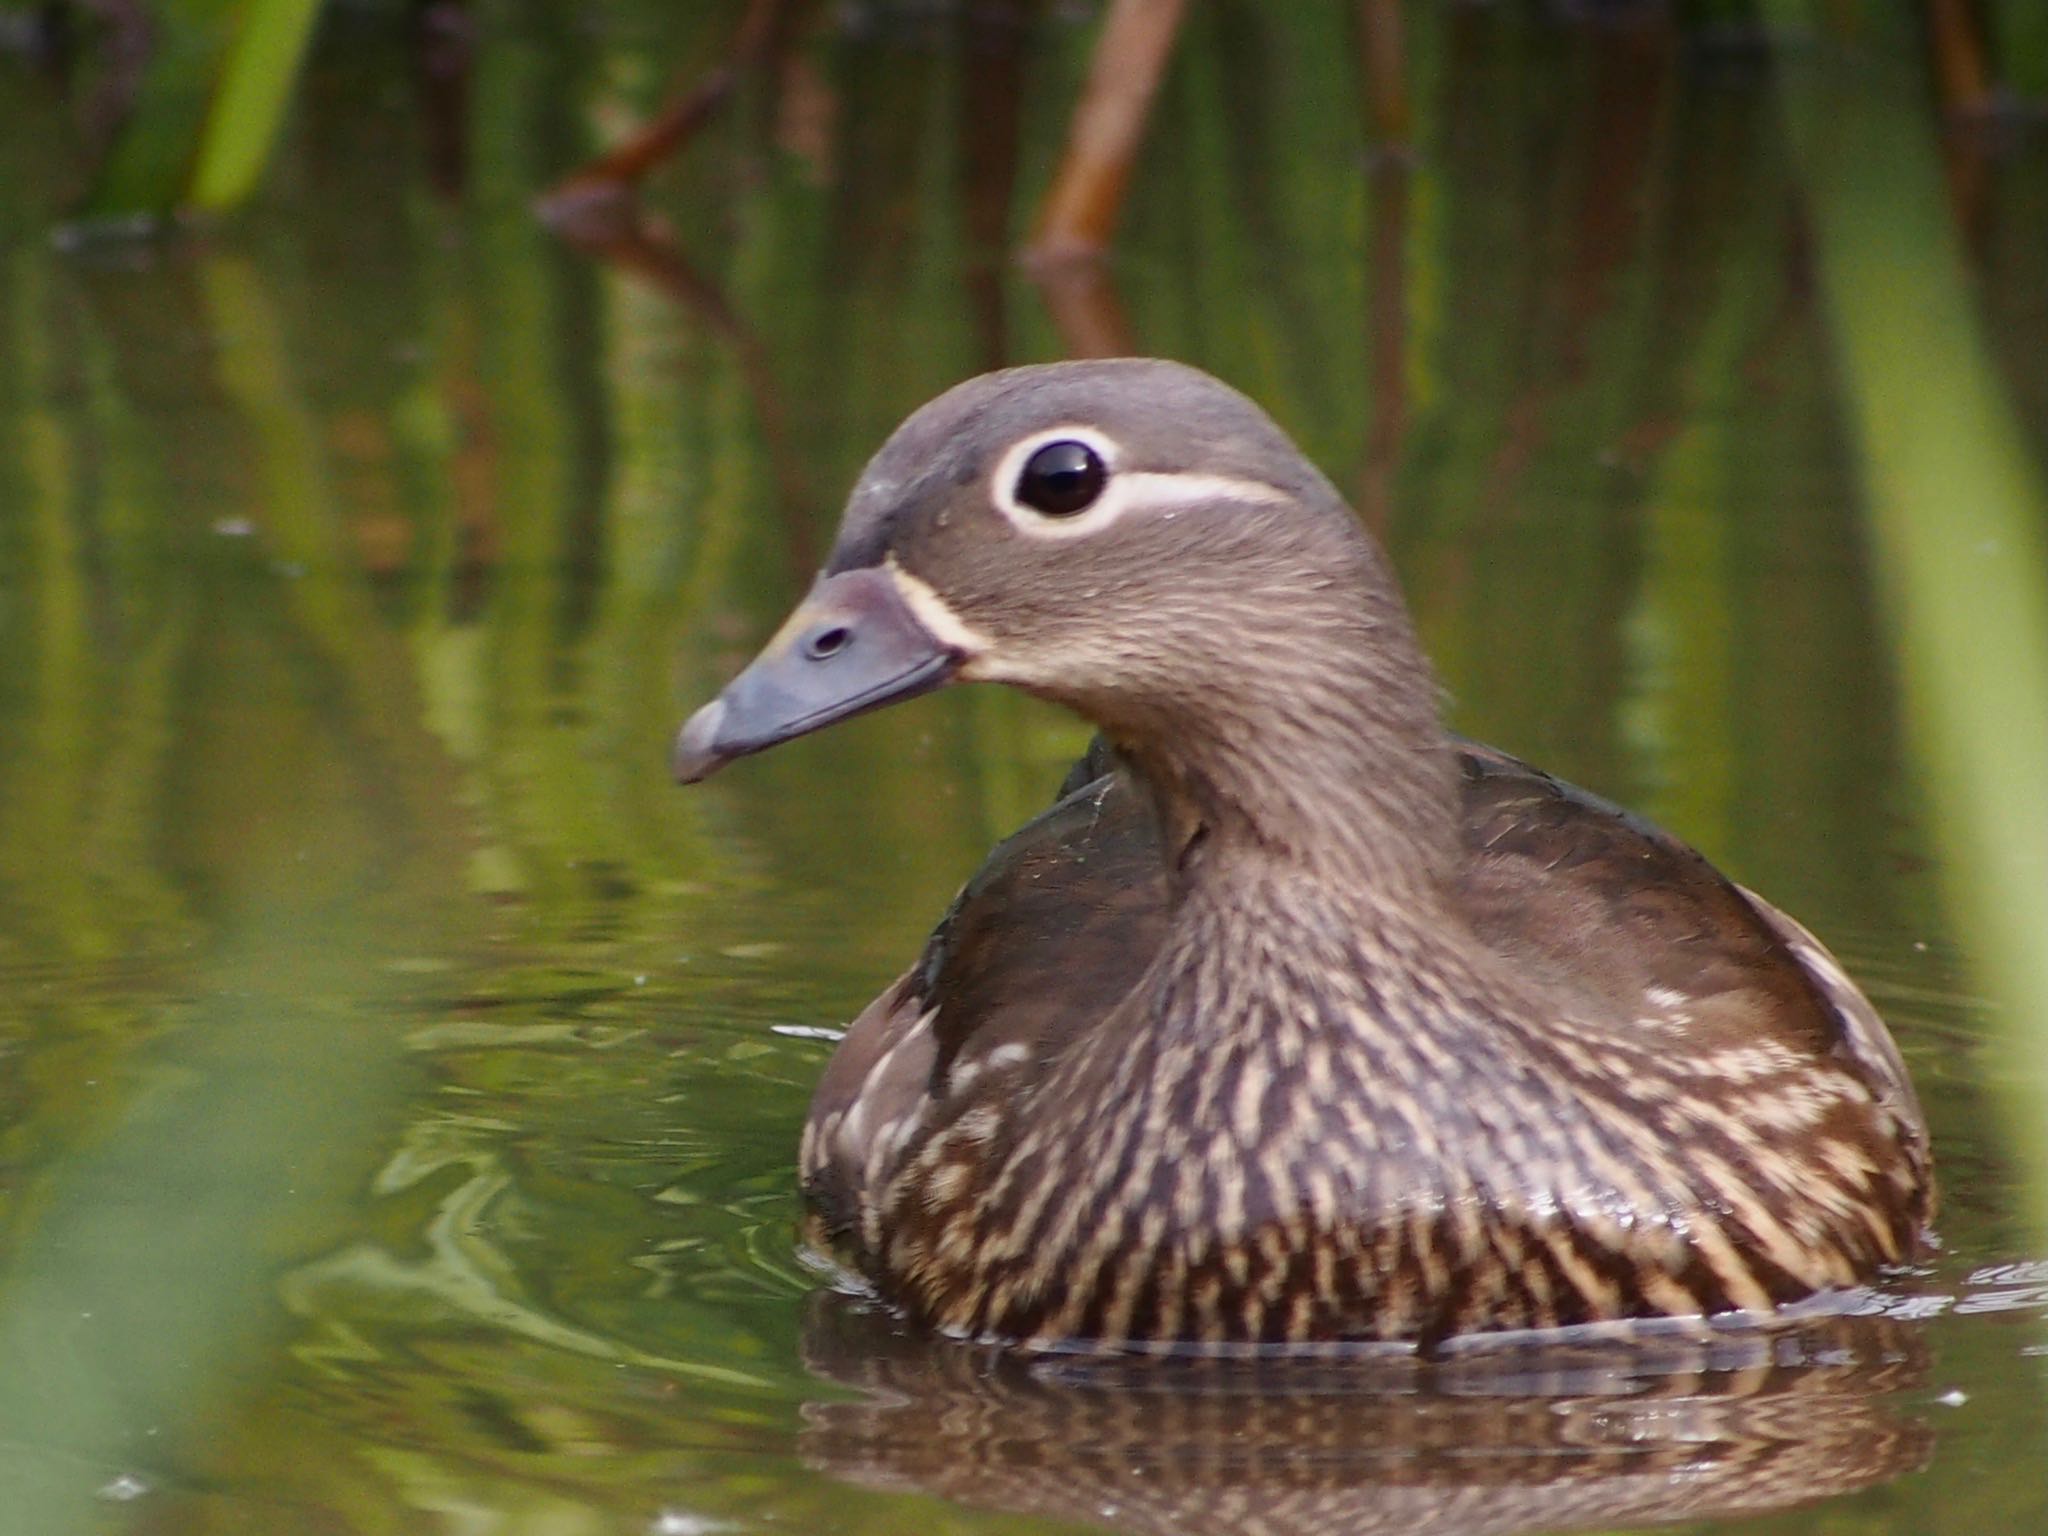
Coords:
1061,479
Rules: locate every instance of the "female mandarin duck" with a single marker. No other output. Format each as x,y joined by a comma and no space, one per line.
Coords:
1297,1019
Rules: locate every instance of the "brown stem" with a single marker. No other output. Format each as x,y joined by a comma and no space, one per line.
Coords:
1383,55
1082,299
646,249
1081,207
593,201
1387,319
1961,69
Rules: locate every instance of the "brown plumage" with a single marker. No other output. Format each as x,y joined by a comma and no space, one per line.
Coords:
1296,1019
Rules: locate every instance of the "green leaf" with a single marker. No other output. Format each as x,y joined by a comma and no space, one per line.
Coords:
249,100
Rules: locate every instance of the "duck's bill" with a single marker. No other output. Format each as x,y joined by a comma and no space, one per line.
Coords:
852,645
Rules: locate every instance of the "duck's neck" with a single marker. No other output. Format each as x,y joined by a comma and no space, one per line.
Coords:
1326,761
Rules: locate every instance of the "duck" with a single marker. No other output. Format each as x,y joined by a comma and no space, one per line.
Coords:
1296,1020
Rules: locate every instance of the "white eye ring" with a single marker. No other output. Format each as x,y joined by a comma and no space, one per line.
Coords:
1107,505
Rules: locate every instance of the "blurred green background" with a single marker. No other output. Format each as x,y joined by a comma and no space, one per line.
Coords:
400,1079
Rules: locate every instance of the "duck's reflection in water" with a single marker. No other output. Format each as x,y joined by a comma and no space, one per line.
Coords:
1505,1440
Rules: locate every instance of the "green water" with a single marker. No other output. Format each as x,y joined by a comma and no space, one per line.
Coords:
400,1078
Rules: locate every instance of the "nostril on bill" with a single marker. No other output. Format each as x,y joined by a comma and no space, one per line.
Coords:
824,644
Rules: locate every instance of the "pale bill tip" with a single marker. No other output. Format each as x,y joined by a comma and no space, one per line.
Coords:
696,755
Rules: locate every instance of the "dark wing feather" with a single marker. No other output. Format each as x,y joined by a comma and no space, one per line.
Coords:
1621,912
1051,933
1057,925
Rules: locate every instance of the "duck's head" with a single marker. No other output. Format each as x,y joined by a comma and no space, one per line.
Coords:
1130,538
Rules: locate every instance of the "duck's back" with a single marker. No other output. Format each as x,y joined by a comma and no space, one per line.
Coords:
1637,933
1562,881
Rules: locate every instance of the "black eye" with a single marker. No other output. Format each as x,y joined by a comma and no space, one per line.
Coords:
1061,479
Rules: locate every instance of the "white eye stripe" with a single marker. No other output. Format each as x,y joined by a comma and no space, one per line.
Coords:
1148,490
1153,489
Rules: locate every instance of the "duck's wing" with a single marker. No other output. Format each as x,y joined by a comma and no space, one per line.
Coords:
1050,934
1567,884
